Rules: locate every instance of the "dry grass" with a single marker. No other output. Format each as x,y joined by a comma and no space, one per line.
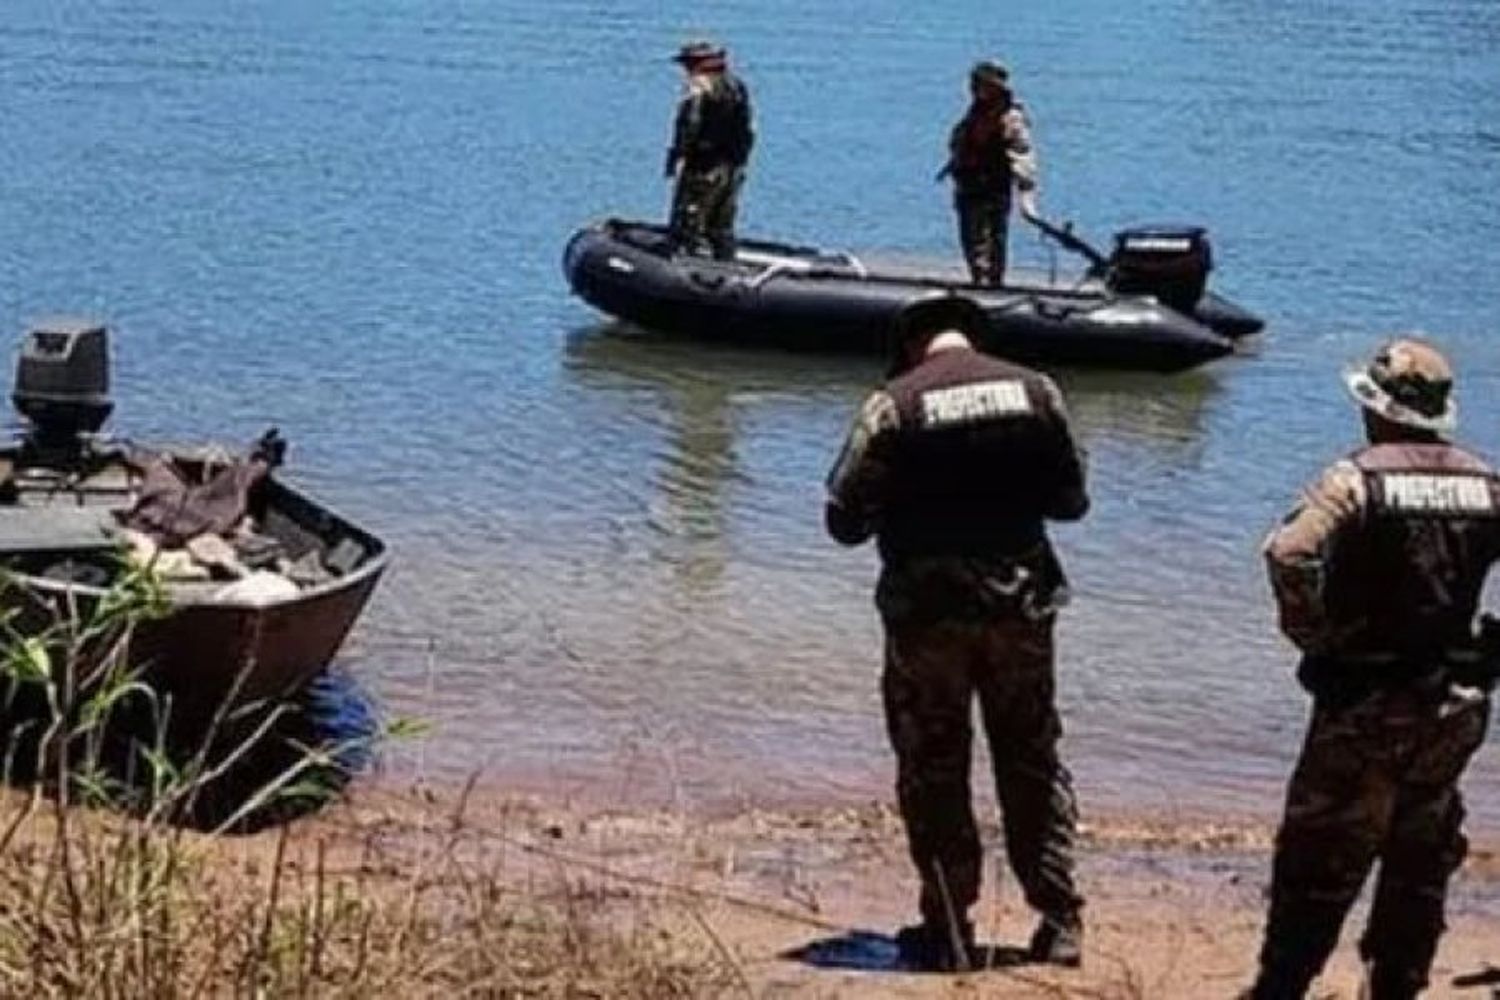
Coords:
105,893
98,905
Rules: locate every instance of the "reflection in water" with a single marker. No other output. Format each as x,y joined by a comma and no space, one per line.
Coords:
1149,426
257,210
738,441
1165,415
698,388
620,355
699,383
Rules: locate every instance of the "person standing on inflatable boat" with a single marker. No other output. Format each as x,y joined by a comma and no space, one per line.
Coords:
711,140
989,151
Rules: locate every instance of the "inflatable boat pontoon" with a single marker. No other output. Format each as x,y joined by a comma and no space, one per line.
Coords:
1144,306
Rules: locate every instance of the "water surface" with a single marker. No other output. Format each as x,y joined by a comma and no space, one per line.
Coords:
345,218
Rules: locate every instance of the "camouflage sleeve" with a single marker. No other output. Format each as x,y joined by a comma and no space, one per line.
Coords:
746,140
687,125
857,482
1018,148
1299,551
956,138
1069,498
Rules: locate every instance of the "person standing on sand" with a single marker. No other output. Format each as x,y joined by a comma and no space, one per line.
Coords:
954,466
711,141
1378,572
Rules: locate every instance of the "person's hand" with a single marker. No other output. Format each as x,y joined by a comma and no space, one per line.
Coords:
269,448
1029,210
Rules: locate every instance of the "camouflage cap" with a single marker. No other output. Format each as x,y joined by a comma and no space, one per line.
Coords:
1407,382
699,50
989,72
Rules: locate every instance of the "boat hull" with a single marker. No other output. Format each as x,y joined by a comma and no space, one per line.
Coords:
803,298
207,656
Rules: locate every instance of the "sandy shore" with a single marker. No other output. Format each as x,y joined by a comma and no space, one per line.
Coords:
802,903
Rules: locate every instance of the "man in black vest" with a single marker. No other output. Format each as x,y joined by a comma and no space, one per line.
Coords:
954,466
711,141
1378,572
989,152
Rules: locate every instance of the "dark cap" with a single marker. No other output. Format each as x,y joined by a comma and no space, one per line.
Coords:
697,51
988,72
927,317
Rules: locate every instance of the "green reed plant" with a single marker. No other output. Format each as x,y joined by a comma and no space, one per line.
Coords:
104,892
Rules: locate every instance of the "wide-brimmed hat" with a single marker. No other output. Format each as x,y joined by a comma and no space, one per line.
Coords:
1407,382
699,50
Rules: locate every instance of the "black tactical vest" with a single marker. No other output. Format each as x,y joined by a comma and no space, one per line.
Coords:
981,458
724,134
1409,577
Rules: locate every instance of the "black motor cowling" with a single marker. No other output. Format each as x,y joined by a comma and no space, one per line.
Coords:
1169,262
62,379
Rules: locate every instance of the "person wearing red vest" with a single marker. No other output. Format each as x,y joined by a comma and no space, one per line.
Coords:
989,153
1378,573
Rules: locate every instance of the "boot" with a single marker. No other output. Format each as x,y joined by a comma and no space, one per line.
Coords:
1272,984
1385,982
1058,941
928,947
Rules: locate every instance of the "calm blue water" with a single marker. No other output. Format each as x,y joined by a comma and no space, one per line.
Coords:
345,218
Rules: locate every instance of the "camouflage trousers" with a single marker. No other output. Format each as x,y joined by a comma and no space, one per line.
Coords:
933,671
983,229
704,204
1377,781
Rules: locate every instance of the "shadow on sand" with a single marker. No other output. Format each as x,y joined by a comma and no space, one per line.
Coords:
1488,976
871,951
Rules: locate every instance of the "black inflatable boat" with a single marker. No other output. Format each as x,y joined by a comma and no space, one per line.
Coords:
1144,306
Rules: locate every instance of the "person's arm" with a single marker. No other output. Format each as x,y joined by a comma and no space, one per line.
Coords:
858,480
1068,498
747,127
685,128
1024,167
955,144
1299,552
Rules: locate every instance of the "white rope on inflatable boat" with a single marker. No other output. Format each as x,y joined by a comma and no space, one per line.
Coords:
777,266
858,265
776,270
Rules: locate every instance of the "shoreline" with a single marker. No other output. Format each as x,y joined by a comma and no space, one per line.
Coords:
409,888
803,901
1145,826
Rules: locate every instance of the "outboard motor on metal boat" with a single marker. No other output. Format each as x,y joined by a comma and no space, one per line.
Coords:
1169,262
62,384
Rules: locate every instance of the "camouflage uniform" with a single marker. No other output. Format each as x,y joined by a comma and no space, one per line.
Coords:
954,466
989,151
1377,574
711,142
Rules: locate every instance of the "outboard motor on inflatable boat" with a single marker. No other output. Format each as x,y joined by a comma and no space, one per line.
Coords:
62,382
1169,262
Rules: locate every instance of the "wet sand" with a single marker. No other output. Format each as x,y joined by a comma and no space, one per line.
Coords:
802,902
